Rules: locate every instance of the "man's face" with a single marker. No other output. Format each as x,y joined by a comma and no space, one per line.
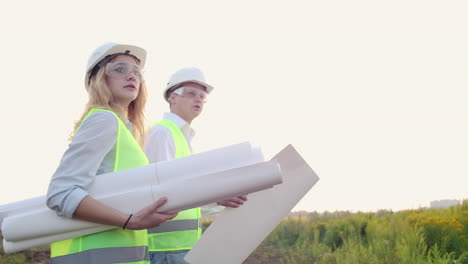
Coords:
190,104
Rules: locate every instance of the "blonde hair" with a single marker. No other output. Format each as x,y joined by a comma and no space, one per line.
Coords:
100,96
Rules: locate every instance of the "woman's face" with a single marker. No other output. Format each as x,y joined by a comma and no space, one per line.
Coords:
123,76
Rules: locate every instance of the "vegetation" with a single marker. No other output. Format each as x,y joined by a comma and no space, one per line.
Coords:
435,236
407,237
32,256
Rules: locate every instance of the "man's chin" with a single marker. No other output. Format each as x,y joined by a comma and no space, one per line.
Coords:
196,113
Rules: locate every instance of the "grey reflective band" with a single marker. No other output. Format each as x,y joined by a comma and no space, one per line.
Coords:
171,251
105,256
175,225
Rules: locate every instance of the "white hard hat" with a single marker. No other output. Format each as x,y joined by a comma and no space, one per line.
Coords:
111,48
190,74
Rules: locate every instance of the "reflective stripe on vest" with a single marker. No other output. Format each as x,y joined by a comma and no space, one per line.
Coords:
116,245
183,231
175,225
105,256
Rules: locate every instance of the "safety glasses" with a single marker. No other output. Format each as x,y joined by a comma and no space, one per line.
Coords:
191,93
121,70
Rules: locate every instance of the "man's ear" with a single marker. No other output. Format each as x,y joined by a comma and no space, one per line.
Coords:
171,98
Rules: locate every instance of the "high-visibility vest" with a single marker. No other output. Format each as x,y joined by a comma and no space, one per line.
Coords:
116,245
183,231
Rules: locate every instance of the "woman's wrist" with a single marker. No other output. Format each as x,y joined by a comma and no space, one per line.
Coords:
126,222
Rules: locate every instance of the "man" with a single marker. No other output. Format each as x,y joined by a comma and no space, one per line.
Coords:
186,93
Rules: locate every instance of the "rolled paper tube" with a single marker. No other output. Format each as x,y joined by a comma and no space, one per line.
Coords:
225,184
198,191
45,222
181,194
110,186
11,247
103,186
21,206
222,159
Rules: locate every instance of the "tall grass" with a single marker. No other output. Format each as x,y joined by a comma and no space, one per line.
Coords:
386,237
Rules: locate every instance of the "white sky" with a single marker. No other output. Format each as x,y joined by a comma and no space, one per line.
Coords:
372,93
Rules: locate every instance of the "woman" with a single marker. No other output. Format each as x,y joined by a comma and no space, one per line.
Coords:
103,142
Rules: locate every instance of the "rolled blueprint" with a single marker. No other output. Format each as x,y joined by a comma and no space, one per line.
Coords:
44,222
210,188
182,194
108,186
198,191
184,181
209,162
216,160
20,206
10,247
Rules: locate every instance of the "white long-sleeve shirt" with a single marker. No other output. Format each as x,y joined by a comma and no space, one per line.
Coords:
90,153
160,146
159,143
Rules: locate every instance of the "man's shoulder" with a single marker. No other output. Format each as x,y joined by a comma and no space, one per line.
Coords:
157,126
157,137
159,130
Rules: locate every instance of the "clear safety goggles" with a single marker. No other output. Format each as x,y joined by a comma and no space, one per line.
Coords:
121,70
191,93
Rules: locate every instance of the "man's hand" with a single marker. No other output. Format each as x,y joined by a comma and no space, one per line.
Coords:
234,202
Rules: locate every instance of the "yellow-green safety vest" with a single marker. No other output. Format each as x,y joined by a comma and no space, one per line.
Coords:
116,245
183,231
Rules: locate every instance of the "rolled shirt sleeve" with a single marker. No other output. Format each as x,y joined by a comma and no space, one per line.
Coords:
91,151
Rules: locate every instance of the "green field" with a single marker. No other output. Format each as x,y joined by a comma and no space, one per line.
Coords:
436,236
385,237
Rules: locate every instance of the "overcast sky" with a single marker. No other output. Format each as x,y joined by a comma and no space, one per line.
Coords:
373,94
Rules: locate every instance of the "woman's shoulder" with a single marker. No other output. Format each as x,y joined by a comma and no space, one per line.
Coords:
101,120
102,113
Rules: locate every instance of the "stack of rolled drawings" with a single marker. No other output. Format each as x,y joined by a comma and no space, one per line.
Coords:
187,182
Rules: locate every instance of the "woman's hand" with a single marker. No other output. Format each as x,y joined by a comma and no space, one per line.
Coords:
92,210
148,217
